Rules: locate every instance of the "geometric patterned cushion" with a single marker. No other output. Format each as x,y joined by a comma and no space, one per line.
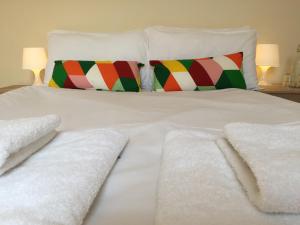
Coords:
199,74
99,75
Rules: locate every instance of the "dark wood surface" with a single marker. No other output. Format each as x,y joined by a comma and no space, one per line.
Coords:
289,93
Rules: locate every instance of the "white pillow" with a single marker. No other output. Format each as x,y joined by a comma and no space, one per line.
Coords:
189,43
67,45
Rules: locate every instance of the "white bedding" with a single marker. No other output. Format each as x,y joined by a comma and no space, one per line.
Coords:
128,197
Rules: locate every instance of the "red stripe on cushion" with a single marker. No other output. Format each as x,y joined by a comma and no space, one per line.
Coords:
69,84
200,75
155,62
123,69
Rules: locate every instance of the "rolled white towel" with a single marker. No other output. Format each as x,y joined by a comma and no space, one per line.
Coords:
20,138
266,160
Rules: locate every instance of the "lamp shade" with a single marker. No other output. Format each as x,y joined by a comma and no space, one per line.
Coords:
267,55
34,58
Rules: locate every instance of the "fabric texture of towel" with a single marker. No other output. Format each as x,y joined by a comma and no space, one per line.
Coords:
196,179
271,153
20,138
57,185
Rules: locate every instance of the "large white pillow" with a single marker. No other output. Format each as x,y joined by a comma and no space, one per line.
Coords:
68,45
189,43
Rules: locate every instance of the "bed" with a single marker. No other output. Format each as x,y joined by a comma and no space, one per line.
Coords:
129,194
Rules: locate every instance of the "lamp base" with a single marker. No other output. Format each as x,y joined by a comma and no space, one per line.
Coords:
263,83
37,78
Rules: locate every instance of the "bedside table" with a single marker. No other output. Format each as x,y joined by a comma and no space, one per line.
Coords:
289,93
10,88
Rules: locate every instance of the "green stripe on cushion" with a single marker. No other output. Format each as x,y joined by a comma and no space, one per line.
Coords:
161,74
129,84
231,79
59,74
157,85
187,63
118,86
86,65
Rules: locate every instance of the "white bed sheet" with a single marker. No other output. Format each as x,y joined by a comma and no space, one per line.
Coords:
128,196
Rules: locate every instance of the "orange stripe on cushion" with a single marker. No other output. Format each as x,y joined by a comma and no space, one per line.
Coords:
73,68
237,58
171,84
109,74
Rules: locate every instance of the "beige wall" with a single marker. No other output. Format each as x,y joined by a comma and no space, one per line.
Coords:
25,23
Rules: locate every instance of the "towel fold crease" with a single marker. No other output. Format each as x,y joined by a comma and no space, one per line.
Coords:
20,138
266,161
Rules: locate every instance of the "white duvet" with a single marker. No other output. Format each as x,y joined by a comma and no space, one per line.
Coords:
128,196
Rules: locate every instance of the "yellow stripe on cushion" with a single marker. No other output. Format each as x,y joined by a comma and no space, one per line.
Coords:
104,62
174,65
52,84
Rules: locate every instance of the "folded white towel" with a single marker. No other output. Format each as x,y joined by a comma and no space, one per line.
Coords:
57,185
182,174
197,186
20,138
271,154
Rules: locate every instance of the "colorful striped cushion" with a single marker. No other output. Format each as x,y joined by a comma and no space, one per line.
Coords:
100,75
199,74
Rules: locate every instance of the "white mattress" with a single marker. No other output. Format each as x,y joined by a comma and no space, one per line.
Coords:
128,197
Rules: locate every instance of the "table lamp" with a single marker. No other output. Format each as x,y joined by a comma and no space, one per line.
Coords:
267,55
34,59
